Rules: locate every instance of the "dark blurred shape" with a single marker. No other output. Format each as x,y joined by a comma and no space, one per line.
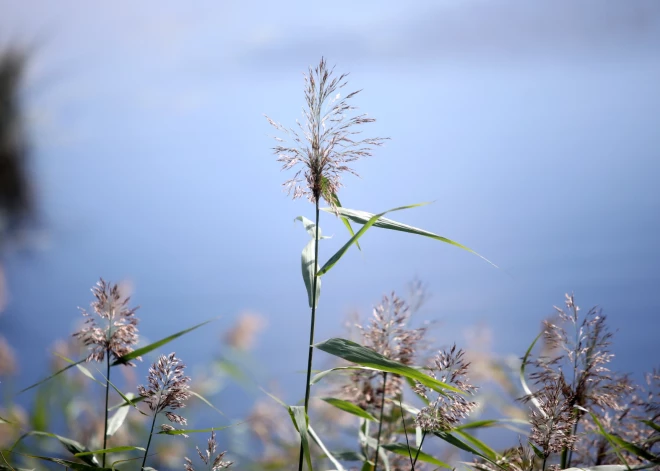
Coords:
15,195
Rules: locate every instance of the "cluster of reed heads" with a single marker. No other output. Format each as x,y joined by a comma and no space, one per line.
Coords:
411,406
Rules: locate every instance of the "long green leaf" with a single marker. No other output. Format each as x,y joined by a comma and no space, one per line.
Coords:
340,253
71,445
308,261
349,407
153,346
207,402
485,449
116,421
319,376
355,353
325,450
301,422
197,430
363,217
50,377
81,368
66,463
345,220
401,449
131,402
452,440
523,381
116,449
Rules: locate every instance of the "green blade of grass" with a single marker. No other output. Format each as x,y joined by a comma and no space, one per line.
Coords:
308,261
131,402
153,346
329,455
207,402
363,217
401,449
523,381
117,449
117,420
319,376
301,422
71,445
80,368
197,430
355,353
340,253
349,407
51,376
345,220
452,440
66,463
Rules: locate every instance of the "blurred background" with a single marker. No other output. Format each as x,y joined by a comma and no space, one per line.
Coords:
145,158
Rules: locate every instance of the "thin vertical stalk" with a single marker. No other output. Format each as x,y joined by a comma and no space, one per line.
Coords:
380,422
107,392
405,431
151,432
313,321
418,450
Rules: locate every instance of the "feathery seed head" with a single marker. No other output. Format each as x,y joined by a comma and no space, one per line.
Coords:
168,388
119,333
326,142
449,408
213,464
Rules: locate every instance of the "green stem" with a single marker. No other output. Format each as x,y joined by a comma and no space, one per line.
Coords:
313,320
107,392
545,458
380,422
151,432
405,431
418,450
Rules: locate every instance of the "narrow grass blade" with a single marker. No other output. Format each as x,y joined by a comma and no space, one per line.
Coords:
654,426
66,463
207,402
345,220
340,253
126,399
301,422
523,381
349,407
197,430
452,440
319,376
50,377
490,423
620,443
308,263
401,449
141,351
363,217
329,455
485,449
355,353
131,402
81,368
117,449
71,445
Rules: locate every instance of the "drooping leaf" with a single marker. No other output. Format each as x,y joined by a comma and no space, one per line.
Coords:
126,399
153,346
66,463
301,422
401,449
308,261
363,217
340,253
117,419
452,440
485,449
117,449
132,402
71,445
325,450
81,368
319,376
349,407
355,353
50,377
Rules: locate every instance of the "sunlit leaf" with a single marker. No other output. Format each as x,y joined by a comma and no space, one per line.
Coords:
301,422
401,449
318,441
345,220
349,407
153,346
308,261
355,353
363,217
116,421
340,253
523,381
